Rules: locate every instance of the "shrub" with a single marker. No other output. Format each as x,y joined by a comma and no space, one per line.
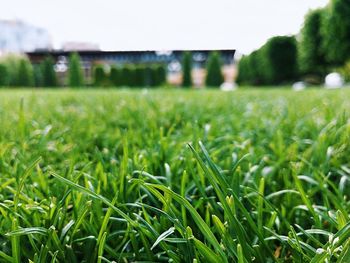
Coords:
187,69
12,63
126,75
25,73
214,76
75,73
274,63
278,61
311,58
116,76
100,77
162,74
159,75
38,76
49,78
345,71
4,75
149,78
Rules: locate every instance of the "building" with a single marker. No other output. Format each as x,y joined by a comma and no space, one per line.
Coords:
172,59
18,37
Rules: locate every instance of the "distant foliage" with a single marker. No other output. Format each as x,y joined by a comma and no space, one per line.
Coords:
159,73
310,52
274,63
250,69
25,73
115,76
100,76
12,62
214,76
139,76
187,69
280,60
49,78
345,71
336,32
148,76
38,76
75,73
4,75
126,75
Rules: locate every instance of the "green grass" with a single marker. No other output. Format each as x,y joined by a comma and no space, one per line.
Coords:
179,176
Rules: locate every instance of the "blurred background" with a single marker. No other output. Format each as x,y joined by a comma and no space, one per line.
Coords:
160,43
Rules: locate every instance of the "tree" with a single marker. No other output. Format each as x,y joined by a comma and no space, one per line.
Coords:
12,61
336,32
99,76
75,73
214,76
25,73
187,69
116,76
126,75
149,76
49,78
38,76
278,60
311,56
161,75
4,75
139,76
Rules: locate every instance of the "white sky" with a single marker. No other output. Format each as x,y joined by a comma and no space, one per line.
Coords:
162,24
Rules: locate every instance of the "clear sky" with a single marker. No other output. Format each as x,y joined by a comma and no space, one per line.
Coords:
162,24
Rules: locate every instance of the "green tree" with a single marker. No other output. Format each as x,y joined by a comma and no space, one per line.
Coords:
149,76
187,69
75,73
25,73
4,75
126,75
214,76
38,76
12,63
49,78
311,55
278,60
336,32
139,78
161,75
100,76
116,76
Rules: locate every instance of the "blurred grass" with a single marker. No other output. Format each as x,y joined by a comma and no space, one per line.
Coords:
103,175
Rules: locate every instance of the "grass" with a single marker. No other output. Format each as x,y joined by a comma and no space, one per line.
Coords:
179,176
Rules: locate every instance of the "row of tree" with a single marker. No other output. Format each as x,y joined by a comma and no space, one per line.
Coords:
18,71
322,46
274,63
130,76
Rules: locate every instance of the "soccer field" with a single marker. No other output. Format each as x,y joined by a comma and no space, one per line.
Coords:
174,175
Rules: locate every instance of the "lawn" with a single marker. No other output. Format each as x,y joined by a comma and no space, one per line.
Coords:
170,175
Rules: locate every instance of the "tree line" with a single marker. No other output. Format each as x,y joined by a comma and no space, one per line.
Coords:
322,46
18,71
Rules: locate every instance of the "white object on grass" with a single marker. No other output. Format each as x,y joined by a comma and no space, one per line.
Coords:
298,86
334,80
228,86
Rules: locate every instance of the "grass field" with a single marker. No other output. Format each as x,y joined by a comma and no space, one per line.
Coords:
179,176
